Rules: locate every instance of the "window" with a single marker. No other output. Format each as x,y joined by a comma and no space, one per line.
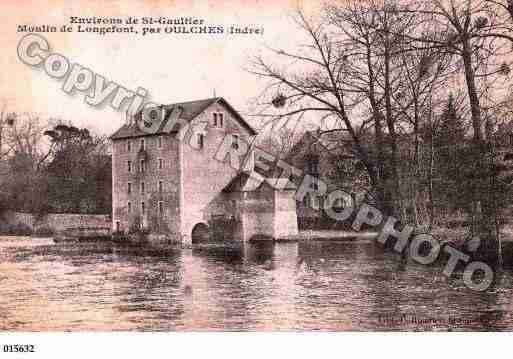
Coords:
161,163
315,182
235,141
200,140
129,146
312,201
129,163
320,202
159,142
129,206
143,144
161,207
313,166
161,186
143,208
129,189
511,139
315,202
142,187
118,226
142,166
218,119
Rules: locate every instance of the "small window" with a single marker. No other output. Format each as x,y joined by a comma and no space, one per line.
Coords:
143,208
315,202
161,208
129,164
218,119
320,202
129,206
129,146
313,166
235,141
129,188
142,166
118,226
159,142
143,144
161,186
200,140
161,163
306,200
142,187
511,139
315,183
312,201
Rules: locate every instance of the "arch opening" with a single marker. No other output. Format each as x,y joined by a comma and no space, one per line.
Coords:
200,233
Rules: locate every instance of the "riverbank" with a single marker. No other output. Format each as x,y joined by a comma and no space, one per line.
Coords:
329,235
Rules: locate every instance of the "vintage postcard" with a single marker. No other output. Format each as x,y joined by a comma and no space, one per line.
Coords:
261,166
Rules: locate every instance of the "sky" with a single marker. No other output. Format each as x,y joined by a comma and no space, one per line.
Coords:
172,68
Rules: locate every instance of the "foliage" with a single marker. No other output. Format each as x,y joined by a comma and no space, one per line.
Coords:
62,170
79,174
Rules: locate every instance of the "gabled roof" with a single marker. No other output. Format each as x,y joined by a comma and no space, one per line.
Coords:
244,182
189,111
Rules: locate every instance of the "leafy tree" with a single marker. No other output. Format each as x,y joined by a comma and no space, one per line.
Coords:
451,188
79,174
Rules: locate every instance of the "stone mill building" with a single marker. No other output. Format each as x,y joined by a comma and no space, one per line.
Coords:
171,182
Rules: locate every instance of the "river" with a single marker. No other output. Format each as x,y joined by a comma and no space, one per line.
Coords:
320,286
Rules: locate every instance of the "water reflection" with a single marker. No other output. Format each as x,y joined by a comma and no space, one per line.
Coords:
266,286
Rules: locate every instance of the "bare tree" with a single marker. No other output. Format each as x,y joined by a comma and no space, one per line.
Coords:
315,80
478,36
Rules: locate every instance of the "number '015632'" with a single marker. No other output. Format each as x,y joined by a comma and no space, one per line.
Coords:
16,348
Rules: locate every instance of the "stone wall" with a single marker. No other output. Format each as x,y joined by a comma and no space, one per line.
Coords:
59,222
285,214
257,213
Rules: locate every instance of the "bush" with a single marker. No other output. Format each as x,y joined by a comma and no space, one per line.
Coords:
44,231
324,223
18,229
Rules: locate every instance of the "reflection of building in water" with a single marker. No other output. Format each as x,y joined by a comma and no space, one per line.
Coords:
217,293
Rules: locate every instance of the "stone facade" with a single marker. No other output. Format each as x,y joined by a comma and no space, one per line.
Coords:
157,181
204,177
183,185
